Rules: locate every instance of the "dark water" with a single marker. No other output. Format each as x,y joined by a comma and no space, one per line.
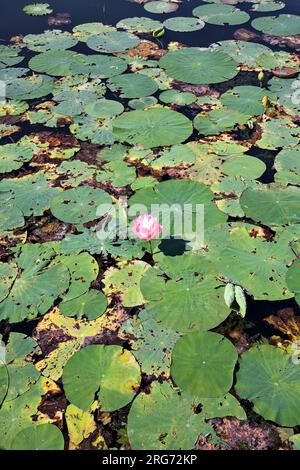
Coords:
14,21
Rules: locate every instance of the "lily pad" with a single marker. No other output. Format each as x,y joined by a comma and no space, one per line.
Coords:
26,88
41,280
92,305
282,25
220,14
38,9
269,378
104,108
113,41
125,282
109,374
264,263
287,165
246,99
273,206
293,278
203,364
53,40
132,85
31,194
83,269
183,24
139,24
39,437
152,127
196,66
56,63
153,425
12,156
80,205
4,381
177,97
151,342
189,298
161,7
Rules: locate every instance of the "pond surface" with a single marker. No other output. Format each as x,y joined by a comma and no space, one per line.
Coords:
97,332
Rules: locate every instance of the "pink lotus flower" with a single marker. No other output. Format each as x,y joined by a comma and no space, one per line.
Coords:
146,227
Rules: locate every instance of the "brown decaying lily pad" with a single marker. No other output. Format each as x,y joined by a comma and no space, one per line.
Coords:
198,90
59,19
285,72
243,34
241,435
293,42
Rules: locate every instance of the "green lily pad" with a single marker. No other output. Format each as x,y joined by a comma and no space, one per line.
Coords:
246,167
53,40
268,5
282,25
11,216
142,103
184,24
100,66
177,194
107,373
119,174
97,131
268,378
153,425
243,52
56,63
28,88
132,85
264,263
4,382
31,194
287,165
9,55
287,91
104,108
12,156
273,205
293,278
80,205
86,30
125,282
8,273
151,342
139,24
220,120
92,305
39,437
152,127
41,280
83,270
113,41
246,99
88,241
220,14
161,7
38,9
203,364
278,133
190,298
196,66
16,415
177,97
